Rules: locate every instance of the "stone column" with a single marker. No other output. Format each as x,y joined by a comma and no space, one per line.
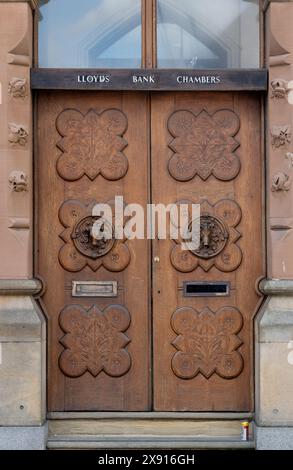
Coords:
274,325
22,326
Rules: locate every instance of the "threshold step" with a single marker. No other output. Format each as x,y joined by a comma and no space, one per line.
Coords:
144,442
147,434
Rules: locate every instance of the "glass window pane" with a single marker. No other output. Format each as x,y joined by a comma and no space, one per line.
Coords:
90,33
200,34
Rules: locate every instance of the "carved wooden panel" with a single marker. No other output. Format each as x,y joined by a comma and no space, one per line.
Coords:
207,343
92,147
204,145
197,159
92,144
218,240
94,341
81,248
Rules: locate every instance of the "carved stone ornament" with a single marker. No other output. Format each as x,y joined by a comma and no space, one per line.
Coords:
89,241
279,88
94,341
281,182
207,343
18,181
218,237
17,134
204,145
17,87
281,135
92,144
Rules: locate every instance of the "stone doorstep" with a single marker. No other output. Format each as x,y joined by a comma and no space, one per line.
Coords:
152,443
146,434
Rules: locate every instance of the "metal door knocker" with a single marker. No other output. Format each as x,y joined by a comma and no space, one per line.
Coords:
93,236
213,237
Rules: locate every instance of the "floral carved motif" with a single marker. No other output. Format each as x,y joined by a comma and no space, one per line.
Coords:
82,248
204,145
17,87
18,181
17,134
94,341
218,237
281,182
281,89
207,343
92,144
281,135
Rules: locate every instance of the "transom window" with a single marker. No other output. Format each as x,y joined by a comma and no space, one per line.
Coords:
189,34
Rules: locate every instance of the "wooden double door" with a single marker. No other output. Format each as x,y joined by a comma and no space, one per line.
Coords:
138,324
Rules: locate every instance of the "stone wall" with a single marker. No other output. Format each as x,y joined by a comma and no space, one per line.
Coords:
22,325
274,324
16,29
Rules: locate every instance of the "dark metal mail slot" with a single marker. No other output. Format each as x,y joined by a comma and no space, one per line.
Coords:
94,289
205,289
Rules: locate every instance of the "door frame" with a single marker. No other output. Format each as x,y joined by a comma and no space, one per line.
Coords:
151,414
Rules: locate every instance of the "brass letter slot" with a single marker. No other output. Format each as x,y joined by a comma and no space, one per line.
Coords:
205,289
94,289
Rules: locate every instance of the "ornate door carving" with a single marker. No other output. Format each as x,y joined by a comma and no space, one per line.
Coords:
97,294
206,150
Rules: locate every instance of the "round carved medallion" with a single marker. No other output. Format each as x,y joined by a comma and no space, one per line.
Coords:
213,237
93,236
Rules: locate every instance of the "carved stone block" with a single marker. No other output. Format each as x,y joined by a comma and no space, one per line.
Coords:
281,182
281,135
18,181
17,134
279,88
17,87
